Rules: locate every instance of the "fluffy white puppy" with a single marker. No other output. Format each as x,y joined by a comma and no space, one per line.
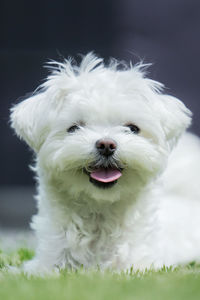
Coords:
110,192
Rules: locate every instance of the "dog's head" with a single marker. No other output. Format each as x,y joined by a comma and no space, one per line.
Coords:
99,130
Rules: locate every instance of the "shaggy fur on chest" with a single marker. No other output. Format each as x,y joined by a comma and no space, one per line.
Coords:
84,232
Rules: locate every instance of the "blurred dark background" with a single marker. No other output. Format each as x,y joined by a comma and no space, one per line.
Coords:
166,33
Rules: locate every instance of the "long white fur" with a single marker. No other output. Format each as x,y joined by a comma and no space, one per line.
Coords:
150,218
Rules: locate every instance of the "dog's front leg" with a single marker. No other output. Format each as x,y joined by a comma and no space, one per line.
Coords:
50,254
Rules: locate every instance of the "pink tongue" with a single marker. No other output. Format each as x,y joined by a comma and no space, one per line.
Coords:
106,175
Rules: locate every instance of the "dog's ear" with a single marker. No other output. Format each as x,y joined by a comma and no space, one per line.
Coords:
175,118
28,118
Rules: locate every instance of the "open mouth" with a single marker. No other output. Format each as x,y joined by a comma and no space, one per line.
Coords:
104,177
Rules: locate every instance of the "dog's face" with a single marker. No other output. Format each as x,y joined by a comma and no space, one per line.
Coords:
102,132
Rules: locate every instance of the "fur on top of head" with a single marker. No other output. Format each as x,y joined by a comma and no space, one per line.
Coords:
32,119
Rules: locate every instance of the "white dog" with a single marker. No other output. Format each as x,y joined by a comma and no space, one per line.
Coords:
110,193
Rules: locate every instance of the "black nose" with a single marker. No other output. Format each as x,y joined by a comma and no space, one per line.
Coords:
106,147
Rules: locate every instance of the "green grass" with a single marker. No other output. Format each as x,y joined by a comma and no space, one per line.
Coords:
181,283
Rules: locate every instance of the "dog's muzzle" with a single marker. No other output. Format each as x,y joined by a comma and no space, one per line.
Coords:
105,172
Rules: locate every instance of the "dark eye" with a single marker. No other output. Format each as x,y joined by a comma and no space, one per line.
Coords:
133,128
73,128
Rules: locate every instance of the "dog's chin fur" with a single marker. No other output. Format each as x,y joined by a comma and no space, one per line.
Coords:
147,217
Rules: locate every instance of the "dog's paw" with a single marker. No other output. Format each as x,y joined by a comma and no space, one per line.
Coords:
36,268
13,270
